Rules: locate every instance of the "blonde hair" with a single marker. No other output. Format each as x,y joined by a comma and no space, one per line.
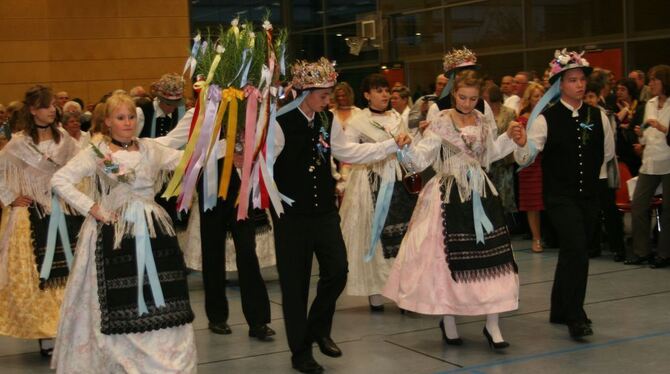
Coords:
98,120
525,107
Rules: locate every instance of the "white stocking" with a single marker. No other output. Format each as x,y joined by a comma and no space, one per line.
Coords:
450,327
493,327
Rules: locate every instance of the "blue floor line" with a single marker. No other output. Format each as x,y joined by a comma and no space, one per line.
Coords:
584,347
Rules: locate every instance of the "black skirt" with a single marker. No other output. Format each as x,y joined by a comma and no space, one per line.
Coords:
117,285
39,227
468,260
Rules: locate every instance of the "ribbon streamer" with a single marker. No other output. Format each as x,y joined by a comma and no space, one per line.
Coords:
191,62
379,217
232,96
481,221
57,227
552,93
449,86
252,95
144,257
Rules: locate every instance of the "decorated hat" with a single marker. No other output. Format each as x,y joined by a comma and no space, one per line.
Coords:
319,74
459,59
170,89
564,61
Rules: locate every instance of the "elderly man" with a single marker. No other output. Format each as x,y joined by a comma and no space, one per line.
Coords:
163,113
519,85
420,108
639,77
506,85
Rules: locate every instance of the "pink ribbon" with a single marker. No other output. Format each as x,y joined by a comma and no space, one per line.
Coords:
253,95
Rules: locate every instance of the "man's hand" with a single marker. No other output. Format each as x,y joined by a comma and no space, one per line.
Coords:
21,201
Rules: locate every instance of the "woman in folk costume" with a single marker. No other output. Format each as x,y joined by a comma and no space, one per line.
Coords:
126,306
343,111
456,258
32,272
376,207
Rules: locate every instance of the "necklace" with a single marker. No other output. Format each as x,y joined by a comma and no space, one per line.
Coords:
461,112
373,110
40,127
122,144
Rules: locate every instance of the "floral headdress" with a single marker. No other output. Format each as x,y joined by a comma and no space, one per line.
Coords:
170,89
564,60
319,74
459,58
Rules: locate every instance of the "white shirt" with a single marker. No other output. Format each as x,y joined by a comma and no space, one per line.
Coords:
513,103
656,155
178,137
537,137
343,148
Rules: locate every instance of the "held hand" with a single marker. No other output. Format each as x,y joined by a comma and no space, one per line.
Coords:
652,122
402,139
638,131
638,149
423,125
99,215
517,133
21,201
424,106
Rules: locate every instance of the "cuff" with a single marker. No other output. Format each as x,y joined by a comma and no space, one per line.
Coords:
390,146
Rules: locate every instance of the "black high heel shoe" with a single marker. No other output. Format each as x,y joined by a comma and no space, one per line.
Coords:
492,344
457,341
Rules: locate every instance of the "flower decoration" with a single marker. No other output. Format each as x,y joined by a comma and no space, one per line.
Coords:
459,58
320,74
113,170
267,26
564,60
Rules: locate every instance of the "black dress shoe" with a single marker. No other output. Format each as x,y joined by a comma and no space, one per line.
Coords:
455,341
579,330
660,262
221,328
308,365
261,332
636,260
493,345
328,347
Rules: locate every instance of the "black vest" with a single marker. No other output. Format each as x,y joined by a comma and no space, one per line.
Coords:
300,172
570,163
163,124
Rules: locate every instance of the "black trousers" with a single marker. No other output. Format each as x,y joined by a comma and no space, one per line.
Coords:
214,226
576,221
612,218
297,240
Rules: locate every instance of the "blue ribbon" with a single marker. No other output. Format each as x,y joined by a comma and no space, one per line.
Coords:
482,222
449,86
293,104
586,127
57,227
245,74
282,60
243,65
144,258
381,211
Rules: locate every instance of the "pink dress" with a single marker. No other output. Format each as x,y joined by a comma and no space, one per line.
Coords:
420,279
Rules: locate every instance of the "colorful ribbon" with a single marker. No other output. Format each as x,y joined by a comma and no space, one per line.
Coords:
481,221
552,93
449,86
57,227
191,62
231,96
144,257
252,95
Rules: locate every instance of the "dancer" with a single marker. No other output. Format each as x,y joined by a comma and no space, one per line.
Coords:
32,273
126,307
377,207
456,258
574,142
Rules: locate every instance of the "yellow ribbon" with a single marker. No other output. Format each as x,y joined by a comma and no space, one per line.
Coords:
229,95
174,186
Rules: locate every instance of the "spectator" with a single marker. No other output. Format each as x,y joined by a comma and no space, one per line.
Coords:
72,124
629,115
639,77
506,84
420,108
519,85
400,101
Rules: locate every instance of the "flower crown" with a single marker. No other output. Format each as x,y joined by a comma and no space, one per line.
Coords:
564,60
458,58
319,74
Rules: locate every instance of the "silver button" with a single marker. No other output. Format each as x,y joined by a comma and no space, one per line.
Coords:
580,190
579,165
316,204
315,187
315,195
581,172
580,155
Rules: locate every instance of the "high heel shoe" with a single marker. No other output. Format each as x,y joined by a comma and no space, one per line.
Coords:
492,344
537,246
456,341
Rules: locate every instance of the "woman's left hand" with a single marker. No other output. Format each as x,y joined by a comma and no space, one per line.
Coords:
657,125
403,139
517,133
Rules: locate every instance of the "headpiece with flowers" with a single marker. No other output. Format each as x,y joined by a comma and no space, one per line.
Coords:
459,58
319,74
564,60
170,88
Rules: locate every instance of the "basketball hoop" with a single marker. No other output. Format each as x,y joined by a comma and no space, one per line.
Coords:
355,44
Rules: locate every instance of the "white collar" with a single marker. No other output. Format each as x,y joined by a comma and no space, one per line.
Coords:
306,116
158,112
575,111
